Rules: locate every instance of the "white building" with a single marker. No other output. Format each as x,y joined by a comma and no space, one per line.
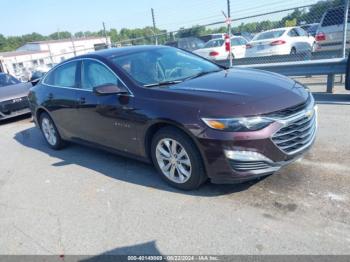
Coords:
38,55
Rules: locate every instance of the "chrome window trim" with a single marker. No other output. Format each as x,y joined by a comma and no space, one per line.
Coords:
81,89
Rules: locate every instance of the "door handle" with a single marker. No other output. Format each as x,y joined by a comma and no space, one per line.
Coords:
82,100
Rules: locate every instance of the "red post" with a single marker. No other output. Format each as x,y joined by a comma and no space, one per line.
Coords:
227,43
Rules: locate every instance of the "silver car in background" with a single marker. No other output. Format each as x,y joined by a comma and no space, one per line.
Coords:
330,32
13,97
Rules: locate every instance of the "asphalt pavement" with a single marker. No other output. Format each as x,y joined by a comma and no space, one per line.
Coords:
85,201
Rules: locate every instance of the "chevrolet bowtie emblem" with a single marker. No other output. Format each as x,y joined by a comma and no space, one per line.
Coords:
309,113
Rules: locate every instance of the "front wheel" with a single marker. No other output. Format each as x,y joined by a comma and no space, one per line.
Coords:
177,159
50,132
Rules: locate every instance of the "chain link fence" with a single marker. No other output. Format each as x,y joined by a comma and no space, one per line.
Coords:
299,33
286,32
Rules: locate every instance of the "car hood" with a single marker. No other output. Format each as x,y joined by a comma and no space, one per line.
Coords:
241,92
14,91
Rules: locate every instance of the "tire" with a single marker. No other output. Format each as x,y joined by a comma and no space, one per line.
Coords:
293,51
50,133
347,75
313,47
182,169
233,56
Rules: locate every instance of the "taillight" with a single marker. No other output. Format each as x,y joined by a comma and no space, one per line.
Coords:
278,42
248,46
320,36
213,53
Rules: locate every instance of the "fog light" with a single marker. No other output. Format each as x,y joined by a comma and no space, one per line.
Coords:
246,156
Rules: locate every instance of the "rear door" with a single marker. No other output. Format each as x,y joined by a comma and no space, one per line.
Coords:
61,100
105,119
305,42
294,39
235,47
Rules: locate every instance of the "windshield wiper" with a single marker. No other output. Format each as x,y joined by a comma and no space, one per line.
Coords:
165,83
203,74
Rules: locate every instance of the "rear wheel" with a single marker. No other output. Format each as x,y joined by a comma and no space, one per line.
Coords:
177,159
293,51
50,132
313,48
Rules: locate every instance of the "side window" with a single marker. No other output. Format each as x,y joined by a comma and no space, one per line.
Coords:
333,17
243,41
293,33
63,76
95,74
301,32
235,42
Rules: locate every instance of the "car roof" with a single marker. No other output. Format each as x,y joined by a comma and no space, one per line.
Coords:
281,28
120,51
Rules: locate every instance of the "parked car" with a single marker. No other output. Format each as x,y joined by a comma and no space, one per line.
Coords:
311,29
329,34
38,73
281,41
13,97
187,43
207,38
192,118
246,35
215,49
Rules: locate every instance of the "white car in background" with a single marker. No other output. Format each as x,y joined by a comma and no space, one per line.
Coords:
215,49
281,41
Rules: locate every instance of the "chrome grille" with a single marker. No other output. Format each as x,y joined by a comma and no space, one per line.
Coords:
297,134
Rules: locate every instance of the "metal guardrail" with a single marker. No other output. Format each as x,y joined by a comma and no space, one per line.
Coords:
300,57
328,67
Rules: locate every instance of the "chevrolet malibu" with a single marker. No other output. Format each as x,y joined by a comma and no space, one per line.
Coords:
194,120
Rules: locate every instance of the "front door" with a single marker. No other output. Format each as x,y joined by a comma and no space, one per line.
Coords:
105,119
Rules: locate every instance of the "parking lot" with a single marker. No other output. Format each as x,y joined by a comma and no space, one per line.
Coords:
85,201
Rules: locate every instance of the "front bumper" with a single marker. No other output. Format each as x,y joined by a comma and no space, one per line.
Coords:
14,107
239,157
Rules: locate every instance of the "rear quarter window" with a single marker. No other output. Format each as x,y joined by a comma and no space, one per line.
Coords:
333,17
63,76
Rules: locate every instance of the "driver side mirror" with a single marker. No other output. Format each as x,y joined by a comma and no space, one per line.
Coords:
109,89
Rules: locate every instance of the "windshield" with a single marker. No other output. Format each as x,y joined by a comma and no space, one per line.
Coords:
163,65
312,28
214,43
7,80
269,35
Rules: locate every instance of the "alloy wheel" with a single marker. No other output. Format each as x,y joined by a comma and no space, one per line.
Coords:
49,131
173,160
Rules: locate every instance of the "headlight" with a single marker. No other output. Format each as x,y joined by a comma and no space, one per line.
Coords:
238,124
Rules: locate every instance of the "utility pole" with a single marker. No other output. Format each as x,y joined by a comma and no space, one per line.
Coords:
229,27
345,31
105,34
73,44
154,26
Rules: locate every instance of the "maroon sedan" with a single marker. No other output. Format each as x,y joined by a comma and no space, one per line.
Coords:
192,118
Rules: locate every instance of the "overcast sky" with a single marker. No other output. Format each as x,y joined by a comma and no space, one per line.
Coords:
47,16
